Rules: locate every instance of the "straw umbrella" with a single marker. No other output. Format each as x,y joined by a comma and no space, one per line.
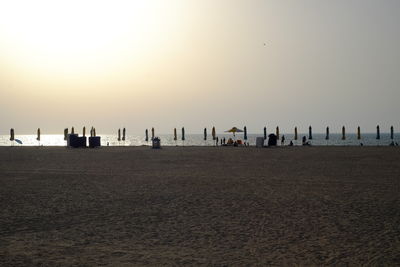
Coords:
94,131
38,135
277,132
265,132
84,131
72,130
213,133
234,130
310,133
123,134
205,134
358,133
152,133
343,133
65,133
119,135
147,135
391,132
295,133
245,133
12,135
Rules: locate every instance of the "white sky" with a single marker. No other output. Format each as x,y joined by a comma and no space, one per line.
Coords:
166,64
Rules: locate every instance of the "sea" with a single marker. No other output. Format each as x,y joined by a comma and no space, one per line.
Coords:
367,139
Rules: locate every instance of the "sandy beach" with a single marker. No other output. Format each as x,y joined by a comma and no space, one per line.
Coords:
218,206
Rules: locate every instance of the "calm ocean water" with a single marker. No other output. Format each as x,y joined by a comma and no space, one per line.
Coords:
197,140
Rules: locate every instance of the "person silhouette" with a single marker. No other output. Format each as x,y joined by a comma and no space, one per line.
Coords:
283,140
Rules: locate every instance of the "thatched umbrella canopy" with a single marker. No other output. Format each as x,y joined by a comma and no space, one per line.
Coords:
295,133
84,131
183,133
175,135
245,133
205,134
146,135
72,130
123,134
265,132
152,133
310,133
277,132
119,135
358,133
38,134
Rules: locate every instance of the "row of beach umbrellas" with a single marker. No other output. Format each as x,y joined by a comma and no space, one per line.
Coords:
233,130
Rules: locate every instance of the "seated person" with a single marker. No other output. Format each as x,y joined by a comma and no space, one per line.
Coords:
239,142
230,141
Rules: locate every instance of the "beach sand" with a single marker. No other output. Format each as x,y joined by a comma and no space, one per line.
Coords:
221,206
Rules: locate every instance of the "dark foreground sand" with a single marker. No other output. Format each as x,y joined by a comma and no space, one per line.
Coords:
200,206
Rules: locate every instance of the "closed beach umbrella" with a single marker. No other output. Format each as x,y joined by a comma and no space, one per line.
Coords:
378,133
175,135
123,134
310,133
84,131
213,133
245,133
183,133
343,133
277,132
38,134
12,134
72,130
205,134
391,132
94,131
147,135
119,135
358,133
265,133
295,133
65,133
327,133
152,133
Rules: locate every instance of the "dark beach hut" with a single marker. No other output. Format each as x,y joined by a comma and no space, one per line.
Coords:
378,133
245,133
343,133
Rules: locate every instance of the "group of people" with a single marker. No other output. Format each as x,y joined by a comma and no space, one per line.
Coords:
304,141
231,142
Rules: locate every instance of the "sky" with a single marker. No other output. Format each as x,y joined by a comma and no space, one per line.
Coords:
166,64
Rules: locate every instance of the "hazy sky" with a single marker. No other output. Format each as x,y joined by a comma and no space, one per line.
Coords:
203,63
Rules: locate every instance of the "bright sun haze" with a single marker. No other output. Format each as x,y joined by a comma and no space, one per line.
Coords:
166,64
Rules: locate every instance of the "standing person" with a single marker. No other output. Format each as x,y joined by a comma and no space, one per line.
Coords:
283,140
304,140
216,143
224,141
